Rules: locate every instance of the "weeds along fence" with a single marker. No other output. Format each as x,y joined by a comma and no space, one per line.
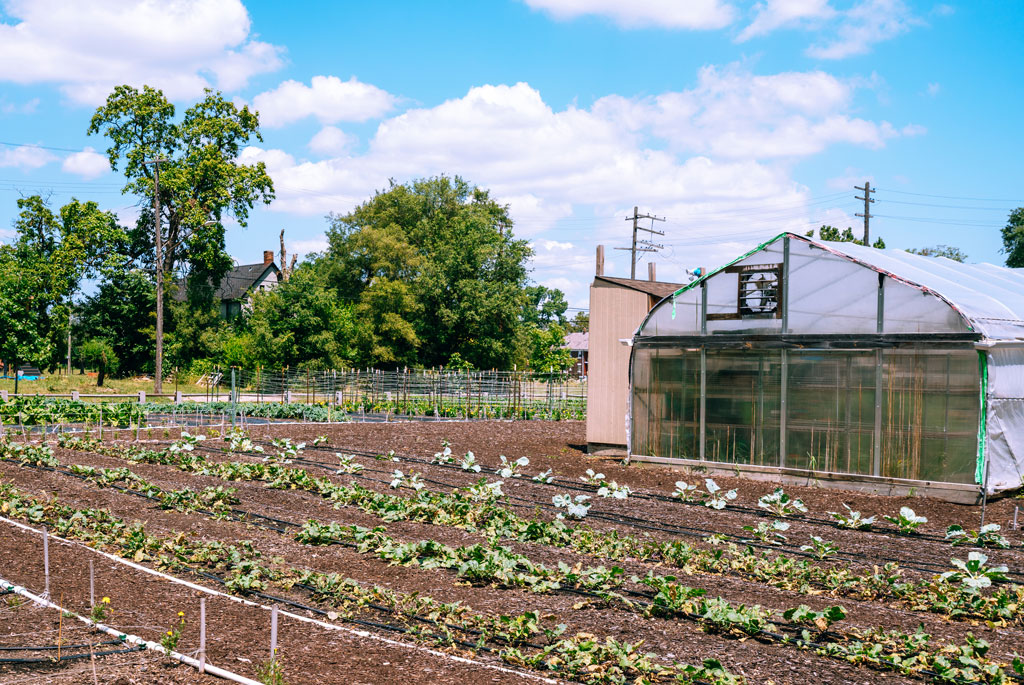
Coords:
324,396
423,393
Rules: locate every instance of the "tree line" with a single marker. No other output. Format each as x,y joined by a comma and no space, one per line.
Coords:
423,274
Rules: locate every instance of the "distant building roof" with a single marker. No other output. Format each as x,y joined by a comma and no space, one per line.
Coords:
237,282
657,288
577,341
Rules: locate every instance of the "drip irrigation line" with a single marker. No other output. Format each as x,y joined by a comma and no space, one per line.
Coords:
645,524
637,522
789,627
13,648
71,657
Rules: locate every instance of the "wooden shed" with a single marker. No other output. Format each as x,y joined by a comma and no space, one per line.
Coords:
617,307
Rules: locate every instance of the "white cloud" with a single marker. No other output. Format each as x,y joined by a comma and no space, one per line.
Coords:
716,160
866,23
672,14
734,114
331,140
86,48
775,14
25,157
304,247
327,98
24,108
88,164
911,130
934,89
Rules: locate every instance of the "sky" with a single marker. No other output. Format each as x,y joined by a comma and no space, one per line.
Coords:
734,121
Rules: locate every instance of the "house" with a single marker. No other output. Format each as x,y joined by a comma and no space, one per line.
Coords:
838,364
577,343
617,306
233,293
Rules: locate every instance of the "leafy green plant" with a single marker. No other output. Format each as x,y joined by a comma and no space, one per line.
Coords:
987,536
271,673
770,532
413,481
510,469
575,508
822,620
685,492
614,490
169,640
100,611
347,463
974,573
468,463
852,519
320,440
444,456
821,549
544,477
907,521
592,478
781,504
717,498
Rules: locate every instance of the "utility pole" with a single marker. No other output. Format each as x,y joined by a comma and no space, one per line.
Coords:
867,207
645,245
158,381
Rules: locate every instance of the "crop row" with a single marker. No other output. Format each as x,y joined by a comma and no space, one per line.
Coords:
480,564
476,509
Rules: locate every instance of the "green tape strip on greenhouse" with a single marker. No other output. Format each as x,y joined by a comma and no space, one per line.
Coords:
979,469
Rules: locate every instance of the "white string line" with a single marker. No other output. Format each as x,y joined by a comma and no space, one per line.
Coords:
281,612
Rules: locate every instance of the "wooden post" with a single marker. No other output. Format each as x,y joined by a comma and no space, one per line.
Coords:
600,261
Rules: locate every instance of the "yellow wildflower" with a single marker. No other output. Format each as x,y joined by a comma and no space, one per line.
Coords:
170,633
106,600
181,613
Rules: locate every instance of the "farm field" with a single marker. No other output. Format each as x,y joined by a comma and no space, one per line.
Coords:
408,566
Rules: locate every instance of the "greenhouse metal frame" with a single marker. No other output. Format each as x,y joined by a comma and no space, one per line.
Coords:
838,364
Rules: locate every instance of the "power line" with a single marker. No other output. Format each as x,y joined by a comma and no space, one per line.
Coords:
646,245
953,197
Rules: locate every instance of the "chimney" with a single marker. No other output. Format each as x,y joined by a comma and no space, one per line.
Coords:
650,271
268,257
600,260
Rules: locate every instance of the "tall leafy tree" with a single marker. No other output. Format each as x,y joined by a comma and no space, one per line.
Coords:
833,234
201,180
62,248
23,337
435,271
1013,239
544,306
121,312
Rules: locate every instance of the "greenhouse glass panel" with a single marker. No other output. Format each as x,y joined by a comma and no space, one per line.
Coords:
667,406
930,415
830,416
743,406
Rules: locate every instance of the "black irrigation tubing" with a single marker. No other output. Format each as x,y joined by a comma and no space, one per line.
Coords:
14,648
762,634
574,485
72,657
637,522
571,485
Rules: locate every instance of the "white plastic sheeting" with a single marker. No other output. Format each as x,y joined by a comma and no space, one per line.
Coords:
1004,418
832,288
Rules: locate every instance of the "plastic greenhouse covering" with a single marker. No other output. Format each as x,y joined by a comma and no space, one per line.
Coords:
838,358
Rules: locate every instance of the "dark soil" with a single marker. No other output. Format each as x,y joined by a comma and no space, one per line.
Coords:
316,655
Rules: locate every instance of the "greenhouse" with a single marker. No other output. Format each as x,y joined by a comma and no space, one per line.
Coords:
838,363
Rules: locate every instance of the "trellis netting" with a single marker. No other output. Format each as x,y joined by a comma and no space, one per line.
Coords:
839,358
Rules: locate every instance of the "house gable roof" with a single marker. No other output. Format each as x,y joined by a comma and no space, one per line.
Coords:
237,282
658,289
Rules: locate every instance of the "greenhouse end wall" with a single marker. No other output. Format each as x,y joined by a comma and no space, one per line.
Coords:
895,413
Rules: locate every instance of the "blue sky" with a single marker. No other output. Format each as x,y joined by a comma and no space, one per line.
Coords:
734,120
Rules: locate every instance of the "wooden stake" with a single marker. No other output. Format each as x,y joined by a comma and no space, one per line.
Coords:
46,562
92,585
273,633
202,635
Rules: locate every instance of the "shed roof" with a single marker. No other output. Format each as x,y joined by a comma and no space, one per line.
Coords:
577,341
656,288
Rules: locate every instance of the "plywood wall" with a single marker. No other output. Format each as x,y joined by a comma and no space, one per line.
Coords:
615,313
